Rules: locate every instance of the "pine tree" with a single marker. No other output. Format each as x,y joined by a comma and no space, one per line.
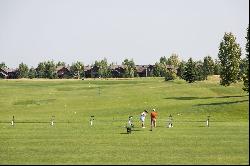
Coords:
181,70
50,69
217,67
200,71
32,73
208,66
40,70
229,55
190,74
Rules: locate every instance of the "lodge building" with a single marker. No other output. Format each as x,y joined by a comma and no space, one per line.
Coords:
90,71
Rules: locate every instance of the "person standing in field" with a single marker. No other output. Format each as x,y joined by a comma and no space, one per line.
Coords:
142,118
153,119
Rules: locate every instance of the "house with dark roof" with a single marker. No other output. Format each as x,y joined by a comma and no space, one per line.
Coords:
144,70
87,71
63,72
8,73
117,71
94,71
91,71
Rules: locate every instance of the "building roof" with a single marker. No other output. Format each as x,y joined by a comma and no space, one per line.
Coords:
113,67
7,70
86,68
61,67
140,68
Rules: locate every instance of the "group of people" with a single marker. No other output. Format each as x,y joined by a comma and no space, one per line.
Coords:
153,116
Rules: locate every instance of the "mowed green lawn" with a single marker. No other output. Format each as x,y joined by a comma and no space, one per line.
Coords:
72,140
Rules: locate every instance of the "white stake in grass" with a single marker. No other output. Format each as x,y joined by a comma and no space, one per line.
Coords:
12,122
208,121
52,120
91,119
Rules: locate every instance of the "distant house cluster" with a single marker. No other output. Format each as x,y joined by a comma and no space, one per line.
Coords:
90,71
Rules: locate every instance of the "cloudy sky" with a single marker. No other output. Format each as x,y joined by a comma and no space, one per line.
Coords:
32,31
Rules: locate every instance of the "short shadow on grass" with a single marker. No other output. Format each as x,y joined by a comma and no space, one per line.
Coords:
196,98
34,102
203,126
132,131
75,88
221,103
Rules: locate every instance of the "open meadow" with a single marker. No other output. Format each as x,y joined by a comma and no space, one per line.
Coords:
71,140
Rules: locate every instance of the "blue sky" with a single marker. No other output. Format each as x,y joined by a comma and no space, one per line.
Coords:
32,31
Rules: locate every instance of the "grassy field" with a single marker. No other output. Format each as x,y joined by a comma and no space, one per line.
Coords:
32,140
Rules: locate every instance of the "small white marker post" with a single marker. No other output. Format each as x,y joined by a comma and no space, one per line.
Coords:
52,120
91,119
208,121
12,122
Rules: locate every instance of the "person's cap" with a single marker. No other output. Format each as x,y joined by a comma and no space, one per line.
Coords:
153,109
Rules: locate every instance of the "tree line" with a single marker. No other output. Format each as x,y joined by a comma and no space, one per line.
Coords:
229,65
170,68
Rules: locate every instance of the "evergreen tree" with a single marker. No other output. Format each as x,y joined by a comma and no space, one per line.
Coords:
208,66
229,55
190,73
60,64
23,70
243,69
160,69
157,70
32,73
163,60
217,67
40,70
50,70
200,71
181,69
